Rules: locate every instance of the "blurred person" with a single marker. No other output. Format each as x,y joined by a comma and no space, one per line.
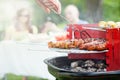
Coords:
49,26
72,14
22,26
49,5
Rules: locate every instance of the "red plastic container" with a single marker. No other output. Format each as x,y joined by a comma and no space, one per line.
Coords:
112,57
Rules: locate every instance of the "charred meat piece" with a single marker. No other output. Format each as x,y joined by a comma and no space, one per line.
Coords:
83,47
100,65
91,47
101,47
50,44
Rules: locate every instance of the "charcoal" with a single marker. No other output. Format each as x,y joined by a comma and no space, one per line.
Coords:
80,62
101,70
91,69
74,64
83,70
74,70
79,68
88,66
89,63
101,64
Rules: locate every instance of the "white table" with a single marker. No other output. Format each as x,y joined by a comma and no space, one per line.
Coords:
25,59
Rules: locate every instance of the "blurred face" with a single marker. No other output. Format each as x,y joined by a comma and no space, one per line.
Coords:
24,17
71,14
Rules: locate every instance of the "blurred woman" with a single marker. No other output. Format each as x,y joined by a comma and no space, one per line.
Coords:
22,26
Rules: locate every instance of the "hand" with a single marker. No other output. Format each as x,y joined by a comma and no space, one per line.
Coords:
48,5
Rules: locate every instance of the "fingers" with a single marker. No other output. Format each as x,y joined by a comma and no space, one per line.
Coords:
48,5
51,5
47,10
59,8
43,6
56,6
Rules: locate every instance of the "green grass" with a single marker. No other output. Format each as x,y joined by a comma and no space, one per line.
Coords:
15,77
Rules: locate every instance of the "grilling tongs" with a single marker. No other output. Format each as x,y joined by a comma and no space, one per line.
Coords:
83,35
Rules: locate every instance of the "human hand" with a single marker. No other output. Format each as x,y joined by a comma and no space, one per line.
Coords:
49,5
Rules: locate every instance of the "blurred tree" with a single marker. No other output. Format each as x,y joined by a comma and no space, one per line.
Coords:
94,10
111,10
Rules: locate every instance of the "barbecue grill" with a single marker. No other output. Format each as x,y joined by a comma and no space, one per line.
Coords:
57,66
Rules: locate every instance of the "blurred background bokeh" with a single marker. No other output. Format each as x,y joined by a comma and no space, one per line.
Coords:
92,11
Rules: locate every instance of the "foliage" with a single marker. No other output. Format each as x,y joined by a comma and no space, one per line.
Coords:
111,9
